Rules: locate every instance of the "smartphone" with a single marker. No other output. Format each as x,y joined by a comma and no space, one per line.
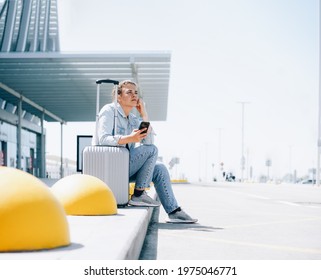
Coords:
144,125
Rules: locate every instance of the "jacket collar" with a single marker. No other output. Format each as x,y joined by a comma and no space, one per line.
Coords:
122,113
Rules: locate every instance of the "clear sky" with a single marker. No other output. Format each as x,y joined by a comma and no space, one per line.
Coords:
264,52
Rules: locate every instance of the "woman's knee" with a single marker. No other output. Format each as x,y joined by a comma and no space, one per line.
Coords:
160,169
161,176
152,148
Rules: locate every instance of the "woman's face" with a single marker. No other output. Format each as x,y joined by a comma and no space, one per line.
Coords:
128,96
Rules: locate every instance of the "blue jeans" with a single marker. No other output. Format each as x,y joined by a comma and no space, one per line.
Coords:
143,169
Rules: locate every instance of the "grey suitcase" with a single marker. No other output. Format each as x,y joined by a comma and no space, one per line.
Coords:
108,163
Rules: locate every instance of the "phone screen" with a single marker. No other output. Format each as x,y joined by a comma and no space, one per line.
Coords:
144,125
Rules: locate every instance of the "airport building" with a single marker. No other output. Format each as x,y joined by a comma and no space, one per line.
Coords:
39,83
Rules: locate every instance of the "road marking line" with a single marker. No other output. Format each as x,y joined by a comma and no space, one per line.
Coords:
289,203
258,196
274,222
242,243
314,207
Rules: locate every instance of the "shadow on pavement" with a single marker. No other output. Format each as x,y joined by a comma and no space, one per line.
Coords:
196,227
72,246
149,249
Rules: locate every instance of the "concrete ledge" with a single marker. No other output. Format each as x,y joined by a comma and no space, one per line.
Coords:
115,237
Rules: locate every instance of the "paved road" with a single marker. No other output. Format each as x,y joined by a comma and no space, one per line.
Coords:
240,222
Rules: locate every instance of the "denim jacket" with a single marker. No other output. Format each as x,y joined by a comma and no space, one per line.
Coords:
125,126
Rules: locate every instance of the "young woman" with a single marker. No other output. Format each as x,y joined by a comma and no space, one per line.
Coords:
143,165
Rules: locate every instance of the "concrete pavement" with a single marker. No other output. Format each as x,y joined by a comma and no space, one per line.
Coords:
240,222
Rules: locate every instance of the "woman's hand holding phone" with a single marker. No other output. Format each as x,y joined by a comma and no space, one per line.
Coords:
144,127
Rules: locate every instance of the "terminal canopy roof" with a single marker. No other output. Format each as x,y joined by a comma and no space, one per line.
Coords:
64,83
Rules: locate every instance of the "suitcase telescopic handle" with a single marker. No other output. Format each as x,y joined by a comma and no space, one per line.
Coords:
99,82
107,81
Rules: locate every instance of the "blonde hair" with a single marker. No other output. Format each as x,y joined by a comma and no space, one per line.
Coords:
121,85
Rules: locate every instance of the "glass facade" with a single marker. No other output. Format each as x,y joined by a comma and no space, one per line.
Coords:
8,148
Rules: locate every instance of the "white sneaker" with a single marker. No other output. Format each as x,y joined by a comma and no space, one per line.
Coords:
180,217
143,200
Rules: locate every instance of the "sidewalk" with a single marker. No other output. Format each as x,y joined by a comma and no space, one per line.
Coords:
115,237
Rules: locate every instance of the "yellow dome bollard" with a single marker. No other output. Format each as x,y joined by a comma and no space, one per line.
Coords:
82,194
31,218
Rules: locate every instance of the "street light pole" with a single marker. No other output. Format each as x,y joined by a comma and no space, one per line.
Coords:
219,152
319,120
243,157
219,145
